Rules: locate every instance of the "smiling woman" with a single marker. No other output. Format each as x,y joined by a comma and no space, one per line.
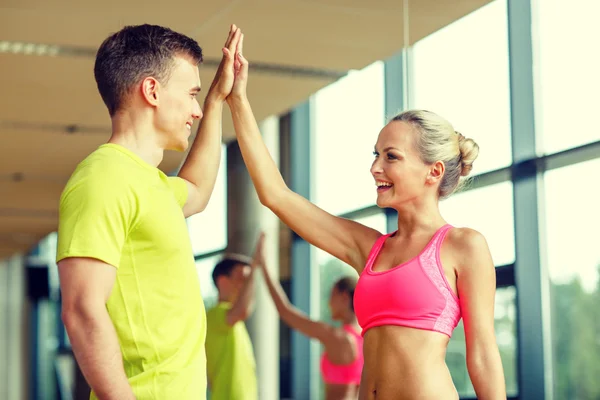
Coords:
436,142
421,158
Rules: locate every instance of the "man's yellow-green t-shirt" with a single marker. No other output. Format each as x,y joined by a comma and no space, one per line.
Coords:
127,213
230,359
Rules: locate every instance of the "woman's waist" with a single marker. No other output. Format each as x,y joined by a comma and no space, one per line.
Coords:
405,347
409,377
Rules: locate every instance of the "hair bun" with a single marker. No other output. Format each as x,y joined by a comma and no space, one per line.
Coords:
469,150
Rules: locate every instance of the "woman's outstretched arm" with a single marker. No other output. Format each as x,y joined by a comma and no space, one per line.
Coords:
347,240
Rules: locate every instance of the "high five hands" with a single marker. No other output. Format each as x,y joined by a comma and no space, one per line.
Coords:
231,78
258,258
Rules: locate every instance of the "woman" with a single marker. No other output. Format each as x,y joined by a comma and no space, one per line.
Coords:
417,282
342,361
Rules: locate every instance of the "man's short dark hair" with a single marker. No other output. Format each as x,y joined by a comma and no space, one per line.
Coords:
227,265
134,53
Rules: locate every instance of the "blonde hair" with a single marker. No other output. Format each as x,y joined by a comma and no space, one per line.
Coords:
438,141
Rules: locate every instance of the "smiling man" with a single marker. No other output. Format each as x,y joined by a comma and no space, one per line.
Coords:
130,293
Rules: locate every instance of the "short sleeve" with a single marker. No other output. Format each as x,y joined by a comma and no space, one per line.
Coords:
218,318
179,188
95,218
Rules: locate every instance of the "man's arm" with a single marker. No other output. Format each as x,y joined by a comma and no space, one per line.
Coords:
202,163
244,304
86,284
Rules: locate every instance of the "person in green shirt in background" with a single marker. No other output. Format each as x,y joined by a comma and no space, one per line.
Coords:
231,367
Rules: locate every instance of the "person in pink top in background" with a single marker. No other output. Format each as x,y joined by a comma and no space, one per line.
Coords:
415,283
342,361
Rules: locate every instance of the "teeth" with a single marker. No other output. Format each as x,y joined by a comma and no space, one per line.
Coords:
380,184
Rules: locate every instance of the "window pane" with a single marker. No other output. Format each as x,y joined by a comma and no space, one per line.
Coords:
506,336
331,269
205,267
348,116
461,73
568,81
572,221
488,210
208,229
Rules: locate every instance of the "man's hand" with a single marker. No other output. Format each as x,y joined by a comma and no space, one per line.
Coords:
258,259
223,82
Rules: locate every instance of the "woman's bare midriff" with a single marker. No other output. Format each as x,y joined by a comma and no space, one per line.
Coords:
405,363
341,392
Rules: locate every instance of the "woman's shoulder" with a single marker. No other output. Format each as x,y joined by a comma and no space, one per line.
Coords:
466,240
468,246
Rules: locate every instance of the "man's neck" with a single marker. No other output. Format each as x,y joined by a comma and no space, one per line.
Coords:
137,136
224,298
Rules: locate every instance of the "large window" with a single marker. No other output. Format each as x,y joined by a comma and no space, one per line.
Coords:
568,79
208,229
348,117
461,73
572,220
488,210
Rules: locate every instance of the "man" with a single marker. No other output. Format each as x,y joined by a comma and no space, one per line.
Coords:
230,359
131,299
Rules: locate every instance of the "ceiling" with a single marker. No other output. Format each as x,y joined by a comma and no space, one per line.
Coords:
51,115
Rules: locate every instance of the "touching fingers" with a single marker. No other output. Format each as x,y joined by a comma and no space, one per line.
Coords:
233,44
243,62
240,47
232,29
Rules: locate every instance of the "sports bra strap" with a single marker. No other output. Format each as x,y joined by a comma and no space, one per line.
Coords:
438,239
375,250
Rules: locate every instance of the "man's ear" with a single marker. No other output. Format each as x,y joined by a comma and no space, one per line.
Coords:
149,89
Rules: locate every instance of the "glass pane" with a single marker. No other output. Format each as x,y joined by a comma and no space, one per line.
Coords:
208,229
488,210
506,336
567,77
331,269
205,267
572,221
461,73
348,116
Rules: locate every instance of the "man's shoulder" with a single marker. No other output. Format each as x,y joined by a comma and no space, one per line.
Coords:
106,169
218,309
109,161
216,316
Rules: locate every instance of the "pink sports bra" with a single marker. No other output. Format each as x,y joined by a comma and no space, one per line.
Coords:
348,373
414,294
